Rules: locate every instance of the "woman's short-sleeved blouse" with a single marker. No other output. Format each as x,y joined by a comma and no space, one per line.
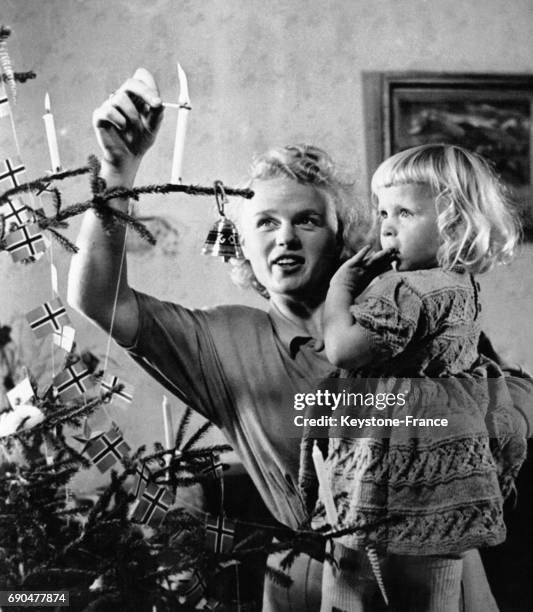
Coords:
422,322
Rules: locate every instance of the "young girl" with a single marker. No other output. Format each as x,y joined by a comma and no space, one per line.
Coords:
418,501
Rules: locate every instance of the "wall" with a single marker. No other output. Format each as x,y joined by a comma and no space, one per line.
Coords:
260,73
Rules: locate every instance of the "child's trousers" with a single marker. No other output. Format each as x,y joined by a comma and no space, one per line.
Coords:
412,584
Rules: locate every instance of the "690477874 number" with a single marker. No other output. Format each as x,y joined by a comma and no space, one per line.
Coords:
34,598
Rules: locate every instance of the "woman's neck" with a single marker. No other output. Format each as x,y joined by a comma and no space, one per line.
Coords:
305,315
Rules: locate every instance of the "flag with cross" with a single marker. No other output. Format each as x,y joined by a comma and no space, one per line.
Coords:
214,467
15,213
142,478
106,449
73,382
219,534
125,391
11,173
153,505
26,244
48,318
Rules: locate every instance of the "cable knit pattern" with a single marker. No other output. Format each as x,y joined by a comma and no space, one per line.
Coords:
442,493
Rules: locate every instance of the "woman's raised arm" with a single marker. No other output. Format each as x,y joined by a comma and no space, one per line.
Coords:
126,126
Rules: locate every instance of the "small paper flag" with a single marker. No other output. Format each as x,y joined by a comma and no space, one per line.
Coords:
73,382
65,338
151,509
48,318
125,394
106,449
26,243
15,212
21,393
219,534
11,173
214,467
142,478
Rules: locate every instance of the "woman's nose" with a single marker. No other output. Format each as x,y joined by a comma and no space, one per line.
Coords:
286,235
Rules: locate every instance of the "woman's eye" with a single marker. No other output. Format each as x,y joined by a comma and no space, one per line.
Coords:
308,221
265,223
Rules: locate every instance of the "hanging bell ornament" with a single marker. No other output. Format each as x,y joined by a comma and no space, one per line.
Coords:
223,238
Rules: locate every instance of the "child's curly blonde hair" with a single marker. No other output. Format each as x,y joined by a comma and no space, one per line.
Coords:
476,224
310,165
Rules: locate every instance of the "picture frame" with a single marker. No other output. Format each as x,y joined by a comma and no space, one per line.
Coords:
491,114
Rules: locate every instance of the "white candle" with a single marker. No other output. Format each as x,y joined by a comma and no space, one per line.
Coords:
325,490
167,420
49,126
181,127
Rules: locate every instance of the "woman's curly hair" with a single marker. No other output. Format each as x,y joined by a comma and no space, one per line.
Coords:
309,165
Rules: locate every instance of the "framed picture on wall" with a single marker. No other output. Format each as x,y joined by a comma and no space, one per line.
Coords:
489,114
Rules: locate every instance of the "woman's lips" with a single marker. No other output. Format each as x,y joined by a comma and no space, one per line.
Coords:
288,263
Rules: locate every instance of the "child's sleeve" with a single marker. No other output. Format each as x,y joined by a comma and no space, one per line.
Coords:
391,311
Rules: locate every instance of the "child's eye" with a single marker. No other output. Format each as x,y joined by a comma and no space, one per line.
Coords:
404,212
382,214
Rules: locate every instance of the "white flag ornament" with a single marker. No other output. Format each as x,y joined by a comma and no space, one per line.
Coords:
64,338
20,394
181,126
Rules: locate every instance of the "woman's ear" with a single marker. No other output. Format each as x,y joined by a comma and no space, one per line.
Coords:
243,244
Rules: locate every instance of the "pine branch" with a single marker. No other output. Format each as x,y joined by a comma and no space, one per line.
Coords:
183,426
205,451
197,435
5,32
63,241
278,577
21,77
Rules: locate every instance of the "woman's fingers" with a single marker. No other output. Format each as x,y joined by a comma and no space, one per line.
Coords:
134,112
145,76
359,257
106,115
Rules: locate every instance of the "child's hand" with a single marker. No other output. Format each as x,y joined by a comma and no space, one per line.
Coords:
357,273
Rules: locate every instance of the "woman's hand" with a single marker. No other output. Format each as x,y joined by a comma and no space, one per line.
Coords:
357,273
126,124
